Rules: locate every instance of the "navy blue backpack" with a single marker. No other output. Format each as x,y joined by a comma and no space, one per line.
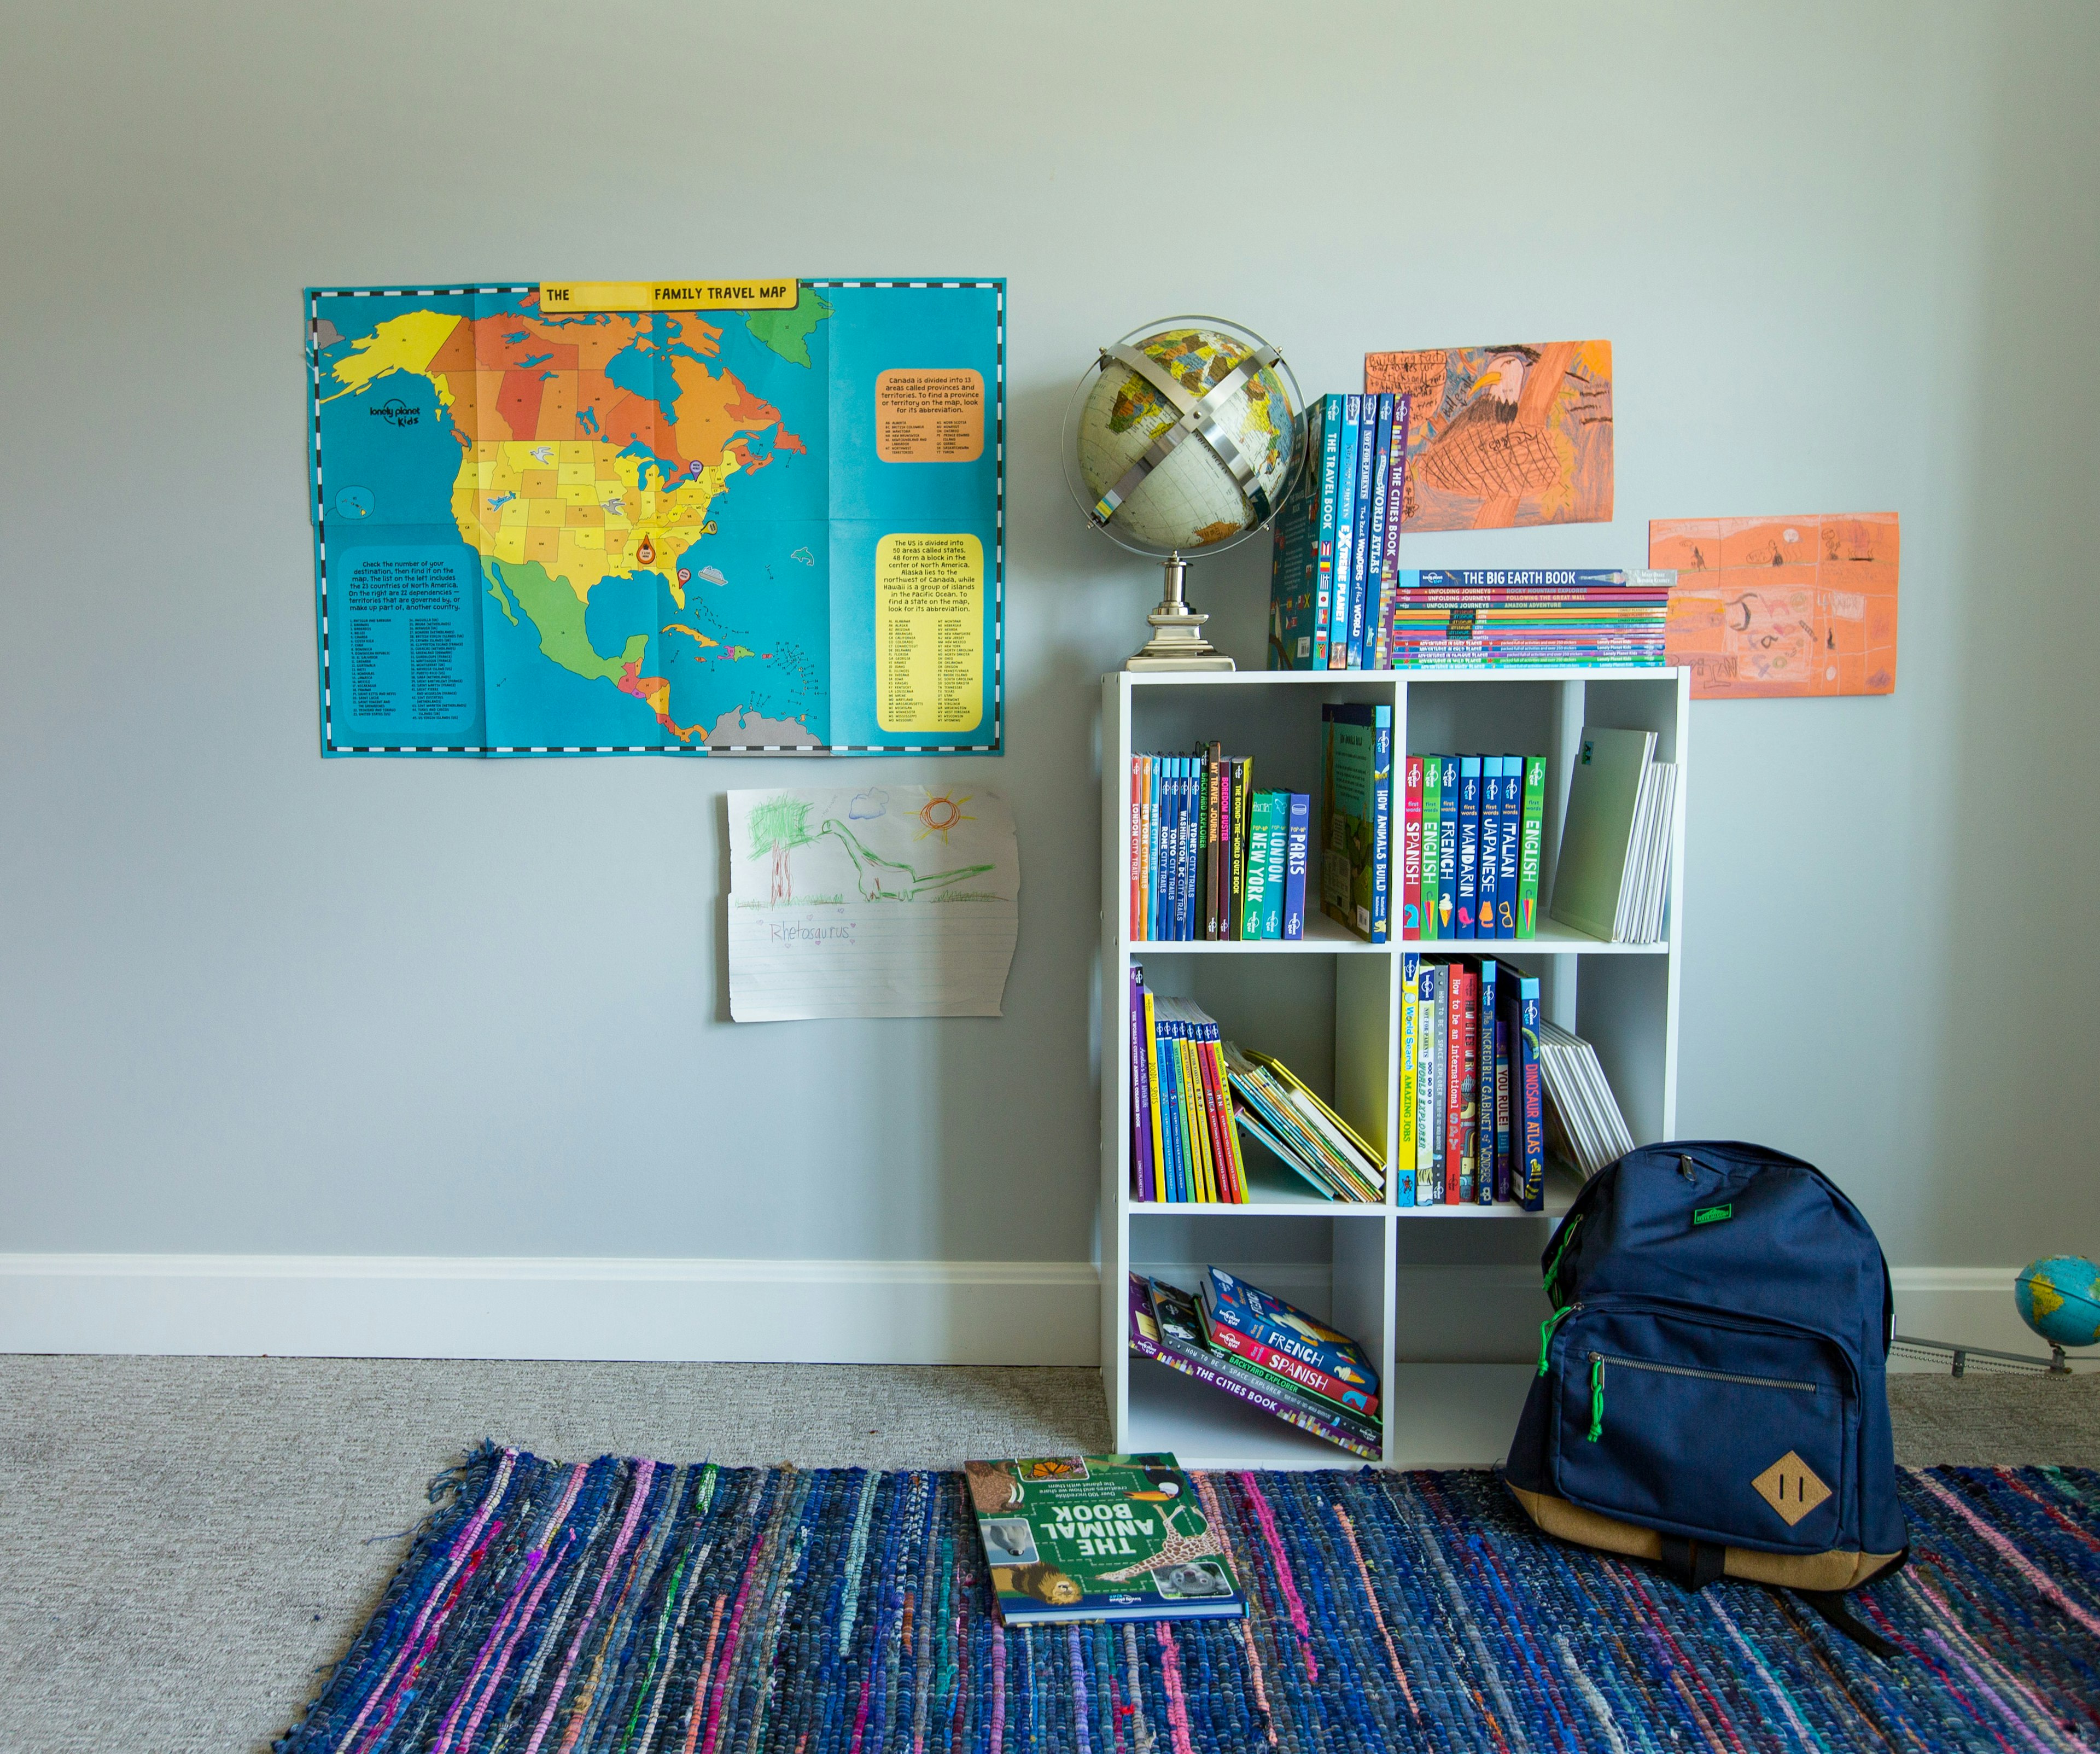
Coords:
1712,1392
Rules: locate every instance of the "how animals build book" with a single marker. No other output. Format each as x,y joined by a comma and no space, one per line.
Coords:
1099,1538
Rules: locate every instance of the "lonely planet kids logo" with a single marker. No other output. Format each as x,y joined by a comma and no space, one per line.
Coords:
396,413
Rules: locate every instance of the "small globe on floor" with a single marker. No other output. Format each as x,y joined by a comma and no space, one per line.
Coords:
2059,1298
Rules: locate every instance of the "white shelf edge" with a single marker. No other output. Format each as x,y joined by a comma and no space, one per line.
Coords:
1136,679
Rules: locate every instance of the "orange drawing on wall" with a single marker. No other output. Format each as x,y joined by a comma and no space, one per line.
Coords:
1504,436
1769,608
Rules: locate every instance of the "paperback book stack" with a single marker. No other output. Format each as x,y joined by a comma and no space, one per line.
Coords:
1584,1126
1512,618
1210,857
1264,1354
1470,834
1337,539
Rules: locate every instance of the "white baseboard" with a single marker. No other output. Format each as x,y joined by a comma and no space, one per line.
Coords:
853,1312
847,1312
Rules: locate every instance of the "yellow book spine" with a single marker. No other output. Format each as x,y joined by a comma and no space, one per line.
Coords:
1409,991
1152,1080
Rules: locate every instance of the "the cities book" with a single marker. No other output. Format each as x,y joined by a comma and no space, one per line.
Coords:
1098,1537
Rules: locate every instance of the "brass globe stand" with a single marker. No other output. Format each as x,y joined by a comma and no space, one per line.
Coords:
1177,642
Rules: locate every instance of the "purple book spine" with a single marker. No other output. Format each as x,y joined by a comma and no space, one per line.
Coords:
1140,1094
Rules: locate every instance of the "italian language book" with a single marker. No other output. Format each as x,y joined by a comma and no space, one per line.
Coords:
1239,1316
1487,891
1164,1326
1098,1537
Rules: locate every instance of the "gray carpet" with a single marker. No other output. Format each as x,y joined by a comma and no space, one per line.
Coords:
185,1542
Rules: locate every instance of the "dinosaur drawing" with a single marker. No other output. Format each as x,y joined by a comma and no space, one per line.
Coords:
884,879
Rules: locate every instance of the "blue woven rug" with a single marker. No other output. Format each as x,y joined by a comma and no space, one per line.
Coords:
633,1606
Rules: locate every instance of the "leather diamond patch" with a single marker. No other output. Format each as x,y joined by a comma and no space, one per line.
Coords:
1791,1486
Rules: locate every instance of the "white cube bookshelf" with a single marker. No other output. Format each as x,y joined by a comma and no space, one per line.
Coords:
1328,1006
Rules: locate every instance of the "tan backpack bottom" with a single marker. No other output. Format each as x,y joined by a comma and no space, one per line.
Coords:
1833,1571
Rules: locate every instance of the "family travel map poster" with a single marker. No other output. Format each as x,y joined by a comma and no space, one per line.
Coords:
706,518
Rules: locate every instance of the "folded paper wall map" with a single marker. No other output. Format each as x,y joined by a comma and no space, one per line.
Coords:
686,518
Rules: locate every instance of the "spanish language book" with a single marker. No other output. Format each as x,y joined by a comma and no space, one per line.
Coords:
1099,1538
1240,1316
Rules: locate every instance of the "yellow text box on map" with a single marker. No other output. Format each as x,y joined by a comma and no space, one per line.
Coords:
557,296
929,632
930,416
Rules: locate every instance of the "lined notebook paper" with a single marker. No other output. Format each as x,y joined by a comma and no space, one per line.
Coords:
892,901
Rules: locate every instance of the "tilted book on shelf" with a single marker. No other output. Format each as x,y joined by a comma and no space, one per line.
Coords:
1242,1317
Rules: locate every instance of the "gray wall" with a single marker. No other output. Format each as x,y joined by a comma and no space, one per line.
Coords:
258,1001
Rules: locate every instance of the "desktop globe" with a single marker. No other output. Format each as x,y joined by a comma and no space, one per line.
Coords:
2059,1298
1184,438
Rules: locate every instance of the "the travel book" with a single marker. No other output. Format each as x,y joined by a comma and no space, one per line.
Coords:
1099,1538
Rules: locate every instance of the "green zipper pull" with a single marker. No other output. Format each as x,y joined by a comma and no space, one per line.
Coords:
1545,1333
1596,1396
1553,1266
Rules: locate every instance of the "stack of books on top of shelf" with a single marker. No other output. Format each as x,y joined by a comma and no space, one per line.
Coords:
1212,858
1489,1090
1257,1349
1339,599
1515,618
1471,832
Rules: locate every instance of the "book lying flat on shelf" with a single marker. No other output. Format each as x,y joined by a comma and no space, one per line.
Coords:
1166,1326
1099,1538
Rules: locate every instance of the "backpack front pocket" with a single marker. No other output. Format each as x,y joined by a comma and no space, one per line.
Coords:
1717,1428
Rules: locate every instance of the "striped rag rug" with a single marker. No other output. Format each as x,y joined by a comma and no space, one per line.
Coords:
621,1604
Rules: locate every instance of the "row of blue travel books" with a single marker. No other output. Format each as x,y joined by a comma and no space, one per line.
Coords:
1336,557
1211,858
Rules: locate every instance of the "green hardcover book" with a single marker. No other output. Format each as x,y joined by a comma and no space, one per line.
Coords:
1276,811
1432,785
1258,874
1099,1538
1533,846
1604,796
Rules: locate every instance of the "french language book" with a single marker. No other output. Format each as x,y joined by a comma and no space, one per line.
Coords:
1239,1316
1099,1538
1355,795
1447,850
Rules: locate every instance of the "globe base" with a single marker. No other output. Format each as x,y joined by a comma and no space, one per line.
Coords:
1177,642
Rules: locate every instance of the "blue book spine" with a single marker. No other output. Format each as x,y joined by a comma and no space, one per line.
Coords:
1468,874
1172,850
1512,843
1345,532
1192,830
1382,826
1484,1181
1527,1093
1491,830
1447,851
1374,548
1162,846
1396,501
1363,570
1330,491
1298,835
1275,809
1154,839
1140,1093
